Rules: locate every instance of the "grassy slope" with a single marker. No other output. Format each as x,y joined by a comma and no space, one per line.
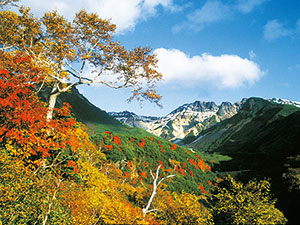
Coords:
176,161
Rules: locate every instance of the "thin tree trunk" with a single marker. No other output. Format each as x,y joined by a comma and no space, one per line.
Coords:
52,102
155,185
51,202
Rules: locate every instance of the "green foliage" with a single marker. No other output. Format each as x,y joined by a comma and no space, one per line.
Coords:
147,152
251,203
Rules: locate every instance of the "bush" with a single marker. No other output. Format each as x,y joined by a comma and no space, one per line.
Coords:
236,203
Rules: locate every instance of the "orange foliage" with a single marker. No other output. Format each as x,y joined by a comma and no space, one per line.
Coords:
108,147
144,174
173,147
162,149
117,140
142,143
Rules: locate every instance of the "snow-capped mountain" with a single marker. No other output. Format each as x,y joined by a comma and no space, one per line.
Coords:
188,119
134,120
285,102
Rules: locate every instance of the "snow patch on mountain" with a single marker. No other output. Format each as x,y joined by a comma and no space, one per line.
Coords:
187,119
285,102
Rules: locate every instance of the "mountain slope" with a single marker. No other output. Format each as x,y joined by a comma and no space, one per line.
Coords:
249,124
135,151
263,140
186,120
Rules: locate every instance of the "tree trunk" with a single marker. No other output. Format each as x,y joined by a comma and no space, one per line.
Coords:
52,102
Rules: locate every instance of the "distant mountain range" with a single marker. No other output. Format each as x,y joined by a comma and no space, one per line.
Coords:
187,120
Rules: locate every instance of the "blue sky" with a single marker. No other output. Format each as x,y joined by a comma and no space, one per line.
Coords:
209,50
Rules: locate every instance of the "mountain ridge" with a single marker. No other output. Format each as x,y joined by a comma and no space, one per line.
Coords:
188,119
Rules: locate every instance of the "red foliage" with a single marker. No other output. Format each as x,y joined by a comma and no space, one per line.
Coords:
173,147
129,164
191,173
23,117
73,164
117,140
168,170
182,171
142,143
127,175
144,174
161,164
108,147
202,189
208,168
162,149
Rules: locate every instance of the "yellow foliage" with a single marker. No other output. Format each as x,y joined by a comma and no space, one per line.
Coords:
183,208
27,198
97,200
246,204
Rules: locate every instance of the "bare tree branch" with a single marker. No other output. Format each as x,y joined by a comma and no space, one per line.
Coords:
155,185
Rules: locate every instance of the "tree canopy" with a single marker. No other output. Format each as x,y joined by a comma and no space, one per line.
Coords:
79,52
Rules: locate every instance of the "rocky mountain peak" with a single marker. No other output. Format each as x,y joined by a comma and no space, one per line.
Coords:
285,102
187,119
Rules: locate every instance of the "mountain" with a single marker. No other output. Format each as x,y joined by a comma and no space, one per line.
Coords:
252,120
285,102
135,151
94,118
186,120
133,120
263,140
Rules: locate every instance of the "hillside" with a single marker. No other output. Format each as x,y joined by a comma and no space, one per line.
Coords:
263,140
109,173
241,137
136,146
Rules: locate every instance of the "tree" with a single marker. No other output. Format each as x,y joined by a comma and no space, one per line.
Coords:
184,208
7,2
236,203
156,183
23,116
69,49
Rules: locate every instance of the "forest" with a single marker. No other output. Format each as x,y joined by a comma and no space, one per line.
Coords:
54,170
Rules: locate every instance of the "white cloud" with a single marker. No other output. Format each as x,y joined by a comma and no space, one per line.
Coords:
124,13
273,30
252,54
211,11
215,11
246,6
225,71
